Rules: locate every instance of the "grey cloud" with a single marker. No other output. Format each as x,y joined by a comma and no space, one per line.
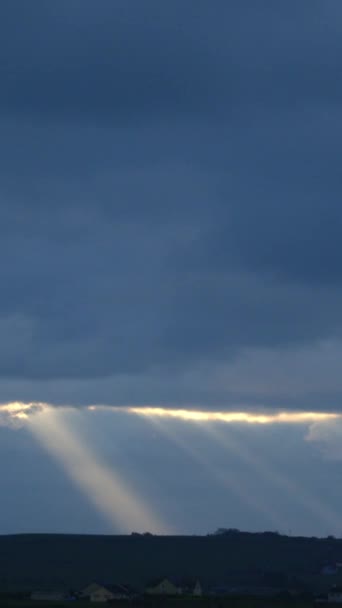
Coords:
140,62
182,210
108,300
280,212
104,271
306,378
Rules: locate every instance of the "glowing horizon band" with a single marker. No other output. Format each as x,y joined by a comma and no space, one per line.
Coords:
22,411
282,417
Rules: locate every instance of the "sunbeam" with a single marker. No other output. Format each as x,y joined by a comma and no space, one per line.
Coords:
225,477
298,493
103,487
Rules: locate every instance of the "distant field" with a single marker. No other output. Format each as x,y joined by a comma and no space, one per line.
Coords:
69,561
171,603
29,604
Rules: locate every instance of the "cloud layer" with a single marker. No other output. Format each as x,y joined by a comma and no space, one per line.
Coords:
170,210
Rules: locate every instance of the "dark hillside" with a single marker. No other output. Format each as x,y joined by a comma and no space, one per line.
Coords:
36,561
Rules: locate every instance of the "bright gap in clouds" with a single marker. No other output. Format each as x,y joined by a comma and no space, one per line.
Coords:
17,411
248,417
14,413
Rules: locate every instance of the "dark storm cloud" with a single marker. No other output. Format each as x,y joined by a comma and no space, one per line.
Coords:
146,59
282,211
169,188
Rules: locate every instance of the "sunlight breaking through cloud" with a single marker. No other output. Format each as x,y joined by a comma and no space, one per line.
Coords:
225,477
247,417
123,508
103,486
17,410
298,492
15,413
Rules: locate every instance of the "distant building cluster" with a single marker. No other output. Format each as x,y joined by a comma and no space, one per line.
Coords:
166,588
103,593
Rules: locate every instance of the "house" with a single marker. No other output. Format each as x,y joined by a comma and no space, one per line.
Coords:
193,588
163,586
104,593
335,595
96,593
47,596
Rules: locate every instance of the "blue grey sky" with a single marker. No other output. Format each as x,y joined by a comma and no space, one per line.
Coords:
170,223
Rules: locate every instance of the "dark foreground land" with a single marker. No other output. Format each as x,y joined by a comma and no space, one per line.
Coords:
205,602
29,562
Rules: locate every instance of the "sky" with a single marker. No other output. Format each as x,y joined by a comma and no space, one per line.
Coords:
171,288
